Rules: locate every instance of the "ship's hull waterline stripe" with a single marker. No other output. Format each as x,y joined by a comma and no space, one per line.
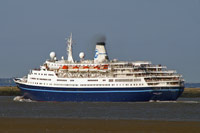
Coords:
125,91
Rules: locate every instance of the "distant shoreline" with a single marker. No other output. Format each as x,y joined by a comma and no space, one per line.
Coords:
14,91
191,92
9,91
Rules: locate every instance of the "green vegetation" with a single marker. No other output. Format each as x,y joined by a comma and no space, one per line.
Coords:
9,91
191,92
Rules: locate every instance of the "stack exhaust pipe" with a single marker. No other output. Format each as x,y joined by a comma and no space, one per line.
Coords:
100,53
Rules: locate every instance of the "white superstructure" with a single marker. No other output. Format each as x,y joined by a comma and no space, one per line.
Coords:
100,72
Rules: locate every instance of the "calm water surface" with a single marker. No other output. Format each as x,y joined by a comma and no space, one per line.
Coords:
185,109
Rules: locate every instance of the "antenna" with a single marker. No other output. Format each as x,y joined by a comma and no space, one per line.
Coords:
69,48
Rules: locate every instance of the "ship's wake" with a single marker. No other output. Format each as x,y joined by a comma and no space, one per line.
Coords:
157,101
188,101
22,99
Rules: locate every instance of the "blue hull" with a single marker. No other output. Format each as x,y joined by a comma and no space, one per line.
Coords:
100,94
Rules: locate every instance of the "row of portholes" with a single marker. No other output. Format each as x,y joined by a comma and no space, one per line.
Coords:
88,84
43,74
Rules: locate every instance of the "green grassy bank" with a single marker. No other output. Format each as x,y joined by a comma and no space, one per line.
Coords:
191,92
14,91
9,91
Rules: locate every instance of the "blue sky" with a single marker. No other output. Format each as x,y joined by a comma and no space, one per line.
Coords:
164,32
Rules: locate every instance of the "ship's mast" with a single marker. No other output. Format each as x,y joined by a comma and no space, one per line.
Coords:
69,49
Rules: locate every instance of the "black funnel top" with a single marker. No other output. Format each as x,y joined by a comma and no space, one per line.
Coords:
100,43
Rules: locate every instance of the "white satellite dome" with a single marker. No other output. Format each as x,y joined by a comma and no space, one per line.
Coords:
55,58
52,55
81,55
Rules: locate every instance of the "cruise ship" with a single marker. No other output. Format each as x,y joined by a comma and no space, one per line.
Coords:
100,79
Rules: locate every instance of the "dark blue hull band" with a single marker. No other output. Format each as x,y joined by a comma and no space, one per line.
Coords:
100,94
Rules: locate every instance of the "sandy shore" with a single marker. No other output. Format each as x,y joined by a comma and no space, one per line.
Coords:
80,125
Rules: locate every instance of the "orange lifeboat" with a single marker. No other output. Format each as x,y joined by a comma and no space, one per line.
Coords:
75,67
85,67
105,67
65,67
96,67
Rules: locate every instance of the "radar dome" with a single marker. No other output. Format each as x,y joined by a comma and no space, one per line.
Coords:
81,55
52,55
55,58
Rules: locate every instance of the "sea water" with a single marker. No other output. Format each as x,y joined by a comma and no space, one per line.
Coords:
185,109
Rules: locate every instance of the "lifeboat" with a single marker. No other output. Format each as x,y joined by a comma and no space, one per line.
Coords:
75,67
96,67
105,67
85,67
65,67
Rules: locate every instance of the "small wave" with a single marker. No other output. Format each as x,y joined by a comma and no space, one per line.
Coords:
166,101
157,101
188,101
21,99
